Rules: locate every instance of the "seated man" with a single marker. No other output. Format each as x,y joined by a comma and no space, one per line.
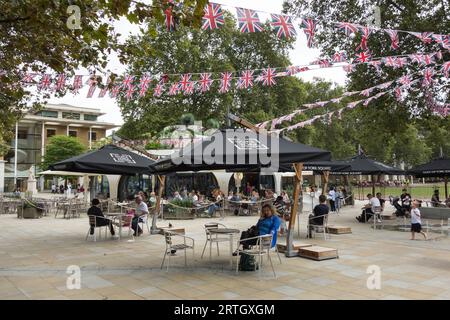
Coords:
369,209
382,201
435,202
217,202
267,224
139,215
100,219
320,211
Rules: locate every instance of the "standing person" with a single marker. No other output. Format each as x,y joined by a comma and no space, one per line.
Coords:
339,199
69,189
320,211
369,209
53,187
406,200
416,223
332,198
139,215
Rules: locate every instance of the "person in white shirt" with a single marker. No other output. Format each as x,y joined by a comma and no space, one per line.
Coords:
53,188
69,189
369,209
416,222
139,215
332,198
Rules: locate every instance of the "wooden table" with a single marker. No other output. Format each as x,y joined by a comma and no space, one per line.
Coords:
230,232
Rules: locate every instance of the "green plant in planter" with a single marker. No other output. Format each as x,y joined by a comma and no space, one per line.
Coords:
31,209
185,203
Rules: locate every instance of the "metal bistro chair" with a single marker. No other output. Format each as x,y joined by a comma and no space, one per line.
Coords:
262,248
170,246
317,228
211,238
93,222
377,218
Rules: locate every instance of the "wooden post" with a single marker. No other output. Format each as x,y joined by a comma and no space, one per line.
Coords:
162,180
446,187
298,167
325,175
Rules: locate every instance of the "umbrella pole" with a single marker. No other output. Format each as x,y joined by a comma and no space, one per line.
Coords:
373,185
325,176
162,180
446,187
290,233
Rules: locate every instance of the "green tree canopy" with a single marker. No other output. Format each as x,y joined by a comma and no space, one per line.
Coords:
60,148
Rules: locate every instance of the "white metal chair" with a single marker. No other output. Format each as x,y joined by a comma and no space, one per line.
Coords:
171,246
125,222
211,238
143,220
260,249
376,217
318,228
93,223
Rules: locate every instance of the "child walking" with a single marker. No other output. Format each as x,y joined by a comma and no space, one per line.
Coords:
416,223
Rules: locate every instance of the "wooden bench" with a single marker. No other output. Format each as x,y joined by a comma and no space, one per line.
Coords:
339,229
179,230
282,247
318,253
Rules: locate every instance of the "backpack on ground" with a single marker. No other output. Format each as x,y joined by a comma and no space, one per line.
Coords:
247,262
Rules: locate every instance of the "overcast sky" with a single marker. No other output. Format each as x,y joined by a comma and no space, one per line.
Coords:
300,55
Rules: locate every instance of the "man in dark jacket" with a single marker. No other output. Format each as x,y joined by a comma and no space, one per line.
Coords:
100,219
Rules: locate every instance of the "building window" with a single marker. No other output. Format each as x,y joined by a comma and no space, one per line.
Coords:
51,133
22,134
71,115
73,133
90,117
47,114
93,136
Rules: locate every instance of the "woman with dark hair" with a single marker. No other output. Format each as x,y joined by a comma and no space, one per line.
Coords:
100,219
268,223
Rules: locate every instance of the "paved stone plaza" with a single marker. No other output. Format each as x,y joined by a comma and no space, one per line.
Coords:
35,254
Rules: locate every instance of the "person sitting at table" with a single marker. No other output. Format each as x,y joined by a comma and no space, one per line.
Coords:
255,196
320,211
268,223
177,196
435,202
193,196
100,219
369,209
382,201
217,196
139,215
234,201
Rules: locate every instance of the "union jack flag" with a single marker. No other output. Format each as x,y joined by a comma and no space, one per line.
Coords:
268,77
389,61
309,28
428,74
130,92
426,37
189,88
103,91
45,82
340,57
185,81
427,59
225,82
363,56
174,89
213,17
416,57
205,82
291,70
60,82
398,93
143,85
367,92
127,81
248,20
158,90
405,80
29,77
443,40
169,20
283,26
385,85
367,101
114,91
77,83
365,36
446,68
349,68
336,100
376,64
400,62
92,87
348,28
393,35
246,79
325,63
439,55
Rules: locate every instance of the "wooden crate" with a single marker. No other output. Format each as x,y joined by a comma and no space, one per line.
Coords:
318,253
179,230
339,229
297,246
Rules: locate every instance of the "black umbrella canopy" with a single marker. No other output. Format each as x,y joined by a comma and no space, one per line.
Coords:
439,167
361,164
109,159
316,166
239,149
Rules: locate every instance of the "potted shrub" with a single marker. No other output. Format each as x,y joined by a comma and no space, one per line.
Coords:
30,210
180,209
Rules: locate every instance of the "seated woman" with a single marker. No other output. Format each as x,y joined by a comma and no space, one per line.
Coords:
217,195
100,219
268,223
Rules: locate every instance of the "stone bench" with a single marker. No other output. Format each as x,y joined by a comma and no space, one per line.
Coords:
435,213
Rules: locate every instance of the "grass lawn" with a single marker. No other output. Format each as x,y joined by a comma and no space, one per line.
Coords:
423,192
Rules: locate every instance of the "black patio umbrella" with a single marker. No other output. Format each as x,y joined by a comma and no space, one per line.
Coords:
244,149
109,159
317,166
239,149
361,164
439,167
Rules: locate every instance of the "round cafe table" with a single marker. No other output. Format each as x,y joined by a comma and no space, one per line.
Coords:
230,232
114,215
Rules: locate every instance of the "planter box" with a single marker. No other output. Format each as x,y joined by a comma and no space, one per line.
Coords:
318,253
339,229
29,213
179,214
282,247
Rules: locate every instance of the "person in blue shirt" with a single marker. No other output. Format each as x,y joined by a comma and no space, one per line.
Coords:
269,223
